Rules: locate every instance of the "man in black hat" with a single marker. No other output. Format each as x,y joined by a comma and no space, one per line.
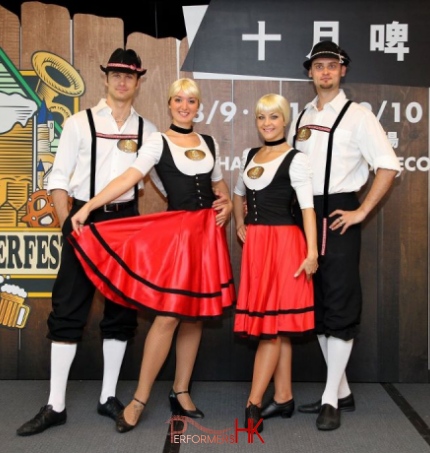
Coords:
95,146
343,141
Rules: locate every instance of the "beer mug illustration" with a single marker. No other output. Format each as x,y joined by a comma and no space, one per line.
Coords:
13,312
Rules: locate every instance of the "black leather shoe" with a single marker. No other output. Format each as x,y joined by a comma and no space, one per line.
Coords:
177,408
46,418
272,409
346,404
328,418
111,408
122,426
253,412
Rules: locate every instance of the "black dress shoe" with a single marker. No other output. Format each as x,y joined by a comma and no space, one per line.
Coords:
111,408
177,408
346,404
46,418
272,409
328,418
122,426
253,412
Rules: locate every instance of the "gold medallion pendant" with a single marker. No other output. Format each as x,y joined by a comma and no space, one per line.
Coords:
195,154
255,172
128,146
303,134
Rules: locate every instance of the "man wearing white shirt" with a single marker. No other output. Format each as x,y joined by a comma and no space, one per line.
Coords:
95,146
344,141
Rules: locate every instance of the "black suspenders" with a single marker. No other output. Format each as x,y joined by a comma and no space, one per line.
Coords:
94,156
327,169
297,126
139,144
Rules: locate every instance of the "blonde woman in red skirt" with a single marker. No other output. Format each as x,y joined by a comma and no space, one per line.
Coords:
175,264
275,300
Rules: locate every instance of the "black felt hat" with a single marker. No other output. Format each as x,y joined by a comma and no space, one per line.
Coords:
327,49
124,60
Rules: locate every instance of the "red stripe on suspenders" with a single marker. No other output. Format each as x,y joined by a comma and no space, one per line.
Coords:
117,136
318,128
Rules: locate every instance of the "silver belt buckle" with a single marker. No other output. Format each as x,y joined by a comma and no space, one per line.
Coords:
106,209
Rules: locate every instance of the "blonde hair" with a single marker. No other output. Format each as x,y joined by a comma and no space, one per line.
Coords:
273,102
188,86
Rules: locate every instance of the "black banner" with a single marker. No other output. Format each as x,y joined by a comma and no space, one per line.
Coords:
387,41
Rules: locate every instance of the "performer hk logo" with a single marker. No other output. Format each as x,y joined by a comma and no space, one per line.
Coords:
179,426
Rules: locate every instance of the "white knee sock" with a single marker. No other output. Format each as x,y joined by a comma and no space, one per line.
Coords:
338,353
113,355
322,339
344,389
62,356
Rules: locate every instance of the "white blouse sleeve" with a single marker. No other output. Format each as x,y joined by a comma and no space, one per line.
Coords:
301,180
216,172
239,188
149,153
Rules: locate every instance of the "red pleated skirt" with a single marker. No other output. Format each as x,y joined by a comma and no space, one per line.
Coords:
173,263
271,301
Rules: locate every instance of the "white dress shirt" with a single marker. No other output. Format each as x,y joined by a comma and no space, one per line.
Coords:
72,165
359,145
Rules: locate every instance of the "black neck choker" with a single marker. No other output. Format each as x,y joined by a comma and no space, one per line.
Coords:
181,130
276,142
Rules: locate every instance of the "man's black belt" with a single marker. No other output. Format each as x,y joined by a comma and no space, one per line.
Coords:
112,207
